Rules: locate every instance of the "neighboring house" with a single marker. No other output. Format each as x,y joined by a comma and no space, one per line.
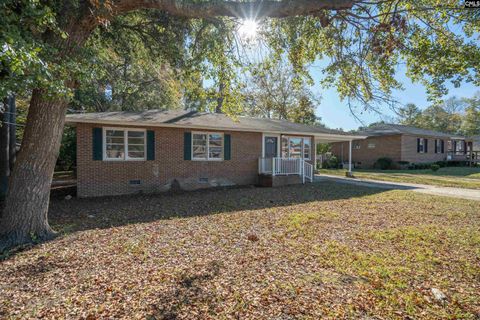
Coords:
476,143
154,151
404,144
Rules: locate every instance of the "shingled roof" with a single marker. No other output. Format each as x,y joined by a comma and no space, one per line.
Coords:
385,129
202,120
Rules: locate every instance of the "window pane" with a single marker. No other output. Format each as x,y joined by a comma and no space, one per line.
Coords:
115,151
140,148
200,139
115,144
215,153
136,134
215,140
295,147
136,154
199,146
137,141
199,152
136,137
284,147
215,143
115,133
306,148
115,140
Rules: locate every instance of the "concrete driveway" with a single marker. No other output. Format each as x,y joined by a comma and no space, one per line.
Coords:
470,194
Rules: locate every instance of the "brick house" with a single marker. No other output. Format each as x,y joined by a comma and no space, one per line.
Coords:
155,151
403,144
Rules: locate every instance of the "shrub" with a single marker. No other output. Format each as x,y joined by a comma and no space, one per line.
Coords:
403,164
383,163
442,164
434,167
332,163
68,150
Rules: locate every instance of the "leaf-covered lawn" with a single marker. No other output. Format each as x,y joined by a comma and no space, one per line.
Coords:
301,252
459,177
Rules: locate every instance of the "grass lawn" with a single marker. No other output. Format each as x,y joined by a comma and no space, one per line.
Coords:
460,177
322,250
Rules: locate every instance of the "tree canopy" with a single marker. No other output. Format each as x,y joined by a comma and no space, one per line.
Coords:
454,115
168,52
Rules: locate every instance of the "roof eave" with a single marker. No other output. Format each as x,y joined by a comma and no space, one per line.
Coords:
330,136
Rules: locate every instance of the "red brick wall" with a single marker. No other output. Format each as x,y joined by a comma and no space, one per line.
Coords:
409,150
100,178
364,157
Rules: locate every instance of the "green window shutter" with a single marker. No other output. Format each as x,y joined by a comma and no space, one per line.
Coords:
150,145
443,146
227,153
436,149
97,143
426,146
418,145
187,146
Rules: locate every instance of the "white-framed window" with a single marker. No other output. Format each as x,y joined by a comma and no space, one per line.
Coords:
422,145
296,147
207,146
356,145
371,145
307,147
438,145
122,144
460,147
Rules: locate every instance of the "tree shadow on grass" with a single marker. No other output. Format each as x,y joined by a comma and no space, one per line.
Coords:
83,214
189,290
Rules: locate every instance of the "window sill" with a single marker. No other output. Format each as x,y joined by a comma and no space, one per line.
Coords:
208,160
123,160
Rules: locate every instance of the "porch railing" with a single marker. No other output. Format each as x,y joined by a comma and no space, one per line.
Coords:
308,171
286,166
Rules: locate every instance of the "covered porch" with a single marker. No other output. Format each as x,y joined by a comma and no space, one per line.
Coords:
290,159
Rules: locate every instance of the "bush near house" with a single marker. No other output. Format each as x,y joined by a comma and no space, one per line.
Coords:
434,167
403,164
332,163
67,156
383,163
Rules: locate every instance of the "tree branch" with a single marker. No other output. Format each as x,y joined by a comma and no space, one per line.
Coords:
249,9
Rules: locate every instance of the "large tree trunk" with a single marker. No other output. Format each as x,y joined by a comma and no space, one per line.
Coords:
24,218
4,152
12,149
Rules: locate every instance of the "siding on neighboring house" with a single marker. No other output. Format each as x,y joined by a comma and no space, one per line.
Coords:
103,178
476,143
365,157
410,154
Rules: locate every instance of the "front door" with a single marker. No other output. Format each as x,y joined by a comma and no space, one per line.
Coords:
271,147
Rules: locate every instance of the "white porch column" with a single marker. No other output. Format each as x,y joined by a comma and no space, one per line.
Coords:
350,157
273,166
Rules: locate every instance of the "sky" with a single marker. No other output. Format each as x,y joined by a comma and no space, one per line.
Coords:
336,114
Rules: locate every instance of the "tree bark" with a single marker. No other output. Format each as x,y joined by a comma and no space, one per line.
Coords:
24,218
220,99
247,9
4,152
12,148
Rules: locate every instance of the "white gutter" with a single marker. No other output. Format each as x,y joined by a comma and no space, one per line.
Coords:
326,136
